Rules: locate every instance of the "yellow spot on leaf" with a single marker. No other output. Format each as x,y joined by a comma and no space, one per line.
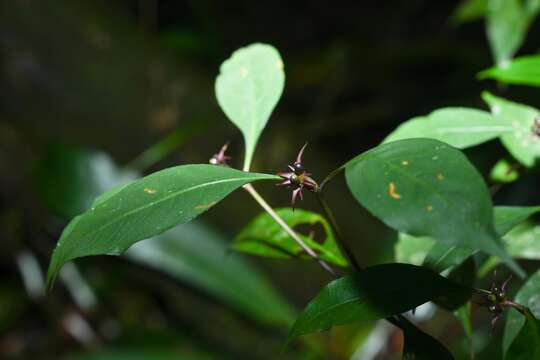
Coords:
243,72
405,162
205,206
392,191
440,177
149,190
429,208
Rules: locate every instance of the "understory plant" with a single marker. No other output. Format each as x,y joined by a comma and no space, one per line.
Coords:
417,181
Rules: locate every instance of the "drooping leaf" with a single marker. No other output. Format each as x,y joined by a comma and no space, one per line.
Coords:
506,27
503,172
524,70
145,208
528,295
523,241
248,88
417,345
442,256
459,127
264,237
526,344
425,187
195,253
521,142
374,293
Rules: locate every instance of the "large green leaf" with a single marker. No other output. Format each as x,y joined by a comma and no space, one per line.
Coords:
459,127
248,88
506,26
374,293
195,253
442,256
522,71
145,208
417,345
425,187
503,172
264,237
521,142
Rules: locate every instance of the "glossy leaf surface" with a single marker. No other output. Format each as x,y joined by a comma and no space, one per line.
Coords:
424,187
459,127
264,237
417,345
145,208
248,88
375,293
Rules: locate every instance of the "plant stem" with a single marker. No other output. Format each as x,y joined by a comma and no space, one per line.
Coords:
332,220
260,200
329,177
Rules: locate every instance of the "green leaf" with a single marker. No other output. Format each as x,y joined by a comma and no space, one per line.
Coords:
145,208
529,296
523,241
441,256
506,26
417,345
248,88
503,172
459,127
264,237
521,142
521,71
425,187
195,253
144,353
469,10
526,344
374,293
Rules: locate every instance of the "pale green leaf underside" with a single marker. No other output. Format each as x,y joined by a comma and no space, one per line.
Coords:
264,237
145,208
459,127
248,88
521,71
520,142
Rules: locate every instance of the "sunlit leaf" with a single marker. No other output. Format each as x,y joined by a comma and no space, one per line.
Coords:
264,237
459,127
521,71
506,26
412,249
424,187
374,293
193,252
248,88
521,142
145,208
503,172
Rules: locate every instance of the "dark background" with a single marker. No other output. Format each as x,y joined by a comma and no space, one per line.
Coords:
117,76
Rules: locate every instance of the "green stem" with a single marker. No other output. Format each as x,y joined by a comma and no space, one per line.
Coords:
344,245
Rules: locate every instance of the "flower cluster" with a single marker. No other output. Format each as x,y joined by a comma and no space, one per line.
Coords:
298,178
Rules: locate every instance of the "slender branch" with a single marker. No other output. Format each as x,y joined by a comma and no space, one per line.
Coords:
341,240
329,177
260,200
